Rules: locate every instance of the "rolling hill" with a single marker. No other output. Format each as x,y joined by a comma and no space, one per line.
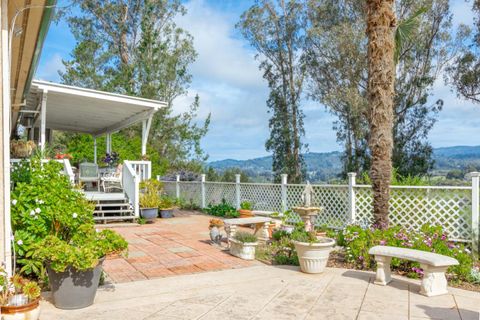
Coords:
326,166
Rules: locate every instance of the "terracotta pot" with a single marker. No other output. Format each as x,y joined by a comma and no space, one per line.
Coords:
271,228
245,213
29,311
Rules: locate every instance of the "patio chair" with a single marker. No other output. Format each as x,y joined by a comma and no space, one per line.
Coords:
88,172
113,180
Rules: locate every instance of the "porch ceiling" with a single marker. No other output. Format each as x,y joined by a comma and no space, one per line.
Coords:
89,111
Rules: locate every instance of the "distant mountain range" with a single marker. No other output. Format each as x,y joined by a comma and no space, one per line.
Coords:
326,166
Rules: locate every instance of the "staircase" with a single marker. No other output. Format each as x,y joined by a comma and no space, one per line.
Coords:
112,208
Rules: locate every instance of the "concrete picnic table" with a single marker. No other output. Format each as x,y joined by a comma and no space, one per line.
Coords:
261,226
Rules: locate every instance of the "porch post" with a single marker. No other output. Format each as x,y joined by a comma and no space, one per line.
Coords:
95,149
5,226
146,124
43,120
108,142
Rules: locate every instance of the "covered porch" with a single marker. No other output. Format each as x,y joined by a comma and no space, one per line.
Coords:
53,107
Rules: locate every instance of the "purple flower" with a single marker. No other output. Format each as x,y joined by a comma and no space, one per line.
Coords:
451,245
418,271
360,258
444,237
383,242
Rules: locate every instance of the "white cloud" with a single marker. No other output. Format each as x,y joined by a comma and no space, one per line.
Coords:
50,68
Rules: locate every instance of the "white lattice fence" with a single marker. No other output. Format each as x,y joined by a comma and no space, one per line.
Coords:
264,197
413,207
333,199
216,191
191,192
169,188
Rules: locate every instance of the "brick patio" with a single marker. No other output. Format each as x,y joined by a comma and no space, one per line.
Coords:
168,247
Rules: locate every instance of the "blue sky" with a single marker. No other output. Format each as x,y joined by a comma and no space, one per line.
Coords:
231,87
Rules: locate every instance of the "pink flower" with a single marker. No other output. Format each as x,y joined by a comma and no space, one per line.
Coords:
383,242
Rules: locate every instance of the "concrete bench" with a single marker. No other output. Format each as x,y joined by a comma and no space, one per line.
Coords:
434,267
261,226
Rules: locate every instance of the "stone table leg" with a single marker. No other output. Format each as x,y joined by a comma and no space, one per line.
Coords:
434,282
261,231
383,270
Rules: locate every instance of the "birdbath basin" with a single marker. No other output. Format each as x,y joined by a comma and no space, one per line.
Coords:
308,215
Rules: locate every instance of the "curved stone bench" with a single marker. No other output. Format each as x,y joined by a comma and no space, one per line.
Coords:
434,267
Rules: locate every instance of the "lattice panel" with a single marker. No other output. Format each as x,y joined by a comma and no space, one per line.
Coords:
169,188
216,191
191,192
264,197
414,207
333,199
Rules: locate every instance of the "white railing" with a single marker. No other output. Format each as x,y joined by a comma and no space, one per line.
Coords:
130,182
143,169
456,208
67,167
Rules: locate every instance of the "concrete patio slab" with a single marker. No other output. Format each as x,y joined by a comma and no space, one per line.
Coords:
269,292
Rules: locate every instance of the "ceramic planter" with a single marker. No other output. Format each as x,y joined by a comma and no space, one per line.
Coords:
166,213
73,289
313,257
245,213
149,213
25,311
243,250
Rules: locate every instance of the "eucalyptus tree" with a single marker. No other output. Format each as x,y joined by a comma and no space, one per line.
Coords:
276,29
134,47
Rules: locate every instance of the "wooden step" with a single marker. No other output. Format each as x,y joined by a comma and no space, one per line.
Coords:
114,218
113,211
111,206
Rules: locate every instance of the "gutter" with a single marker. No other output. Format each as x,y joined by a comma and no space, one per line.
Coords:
42,34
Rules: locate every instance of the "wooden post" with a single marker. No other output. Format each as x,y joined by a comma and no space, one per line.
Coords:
202,186
351,196
95,150
237,191
177,187
475,213
284,192
43,120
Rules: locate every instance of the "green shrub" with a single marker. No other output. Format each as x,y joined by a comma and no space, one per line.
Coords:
166,203
246,205
358,241
52,221
222,209
245,237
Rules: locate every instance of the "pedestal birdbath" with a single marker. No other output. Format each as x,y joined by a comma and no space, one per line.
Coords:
307,212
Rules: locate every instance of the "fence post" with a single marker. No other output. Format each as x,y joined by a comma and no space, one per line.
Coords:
475,213
284,192
177,187
203,190
237,190
351,196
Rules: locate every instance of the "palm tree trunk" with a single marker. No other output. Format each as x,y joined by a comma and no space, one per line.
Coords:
381,75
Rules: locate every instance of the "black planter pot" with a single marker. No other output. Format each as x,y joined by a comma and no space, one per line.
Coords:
73,289
166,213
149,213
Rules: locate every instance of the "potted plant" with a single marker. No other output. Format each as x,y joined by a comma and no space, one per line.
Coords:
245,210
22,148
149,202
321,231
215,234
287,218
54,231
20,298
166,207
149,199
243,245
312,251
74,267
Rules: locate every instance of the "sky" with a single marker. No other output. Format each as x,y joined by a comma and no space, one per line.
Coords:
230,86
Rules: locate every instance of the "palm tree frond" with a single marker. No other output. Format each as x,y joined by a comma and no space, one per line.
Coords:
404,31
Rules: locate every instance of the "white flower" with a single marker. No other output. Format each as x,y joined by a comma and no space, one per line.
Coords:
74,215
19,242
14,202
467,250
36,217
32,213
38,210
41,202
36,200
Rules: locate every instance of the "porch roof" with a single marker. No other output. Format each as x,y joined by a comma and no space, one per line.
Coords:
75,109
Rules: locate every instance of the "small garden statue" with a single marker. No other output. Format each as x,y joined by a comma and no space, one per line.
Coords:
215,234
307,195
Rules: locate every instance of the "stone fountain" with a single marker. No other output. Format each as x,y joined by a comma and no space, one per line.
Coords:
307,212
